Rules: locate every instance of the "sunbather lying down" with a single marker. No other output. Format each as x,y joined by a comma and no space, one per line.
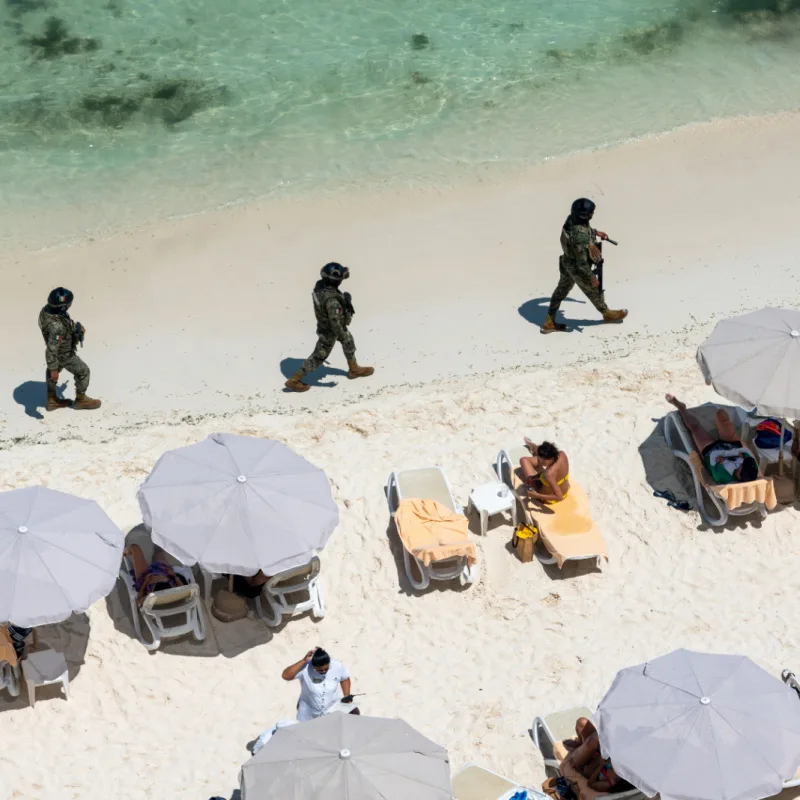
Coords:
585,756
726,458
545,472
153,577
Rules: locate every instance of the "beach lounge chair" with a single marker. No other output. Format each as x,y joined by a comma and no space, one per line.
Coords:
292,593
9,678
169,613
765,456
566,529
717,503
432,485
550,732
478,783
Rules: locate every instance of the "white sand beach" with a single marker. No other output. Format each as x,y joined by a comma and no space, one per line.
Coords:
189,325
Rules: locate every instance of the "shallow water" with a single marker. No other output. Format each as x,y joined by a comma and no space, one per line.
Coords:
133,110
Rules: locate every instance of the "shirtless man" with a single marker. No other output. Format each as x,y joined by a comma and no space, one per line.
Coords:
726,458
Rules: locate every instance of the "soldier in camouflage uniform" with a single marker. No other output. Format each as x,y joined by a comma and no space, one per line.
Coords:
580,252
61,336
334,312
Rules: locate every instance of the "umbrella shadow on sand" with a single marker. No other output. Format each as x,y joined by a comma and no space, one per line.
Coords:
228,639
666,472
70,637
535,311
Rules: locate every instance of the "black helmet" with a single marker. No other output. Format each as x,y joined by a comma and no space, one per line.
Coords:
582,210
60,298
335,272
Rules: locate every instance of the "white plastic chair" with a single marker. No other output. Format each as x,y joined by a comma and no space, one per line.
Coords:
711,508
291,593
765,456
44,668
429,484
9,678
160,609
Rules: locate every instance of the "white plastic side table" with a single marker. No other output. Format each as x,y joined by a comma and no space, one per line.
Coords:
42,668
491,499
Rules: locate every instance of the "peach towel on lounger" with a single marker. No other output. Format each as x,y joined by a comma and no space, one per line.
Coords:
432,532
734,495
7,652
566,528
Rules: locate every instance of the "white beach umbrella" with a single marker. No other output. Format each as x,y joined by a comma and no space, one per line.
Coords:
699,726
347,757
238,504
754,360
59,554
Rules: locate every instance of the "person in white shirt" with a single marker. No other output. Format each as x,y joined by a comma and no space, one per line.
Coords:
321,680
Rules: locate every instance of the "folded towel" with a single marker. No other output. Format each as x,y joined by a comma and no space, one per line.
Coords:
432,532
761,490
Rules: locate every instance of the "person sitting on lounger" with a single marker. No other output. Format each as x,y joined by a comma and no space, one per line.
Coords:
545,472
153,577
726,458
249,586
585,756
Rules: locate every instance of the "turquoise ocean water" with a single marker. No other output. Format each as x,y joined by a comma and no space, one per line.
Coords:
128,110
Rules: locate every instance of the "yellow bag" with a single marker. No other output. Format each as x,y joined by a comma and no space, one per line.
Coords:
524,541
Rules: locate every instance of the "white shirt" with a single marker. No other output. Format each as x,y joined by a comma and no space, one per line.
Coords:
319,692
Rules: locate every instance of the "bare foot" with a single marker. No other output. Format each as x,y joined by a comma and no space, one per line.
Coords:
532,448
673,401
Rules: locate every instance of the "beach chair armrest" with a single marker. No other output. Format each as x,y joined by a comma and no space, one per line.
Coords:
392,493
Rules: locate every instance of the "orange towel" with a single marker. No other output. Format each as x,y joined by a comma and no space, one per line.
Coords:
432,532
734,495
7,652
566,528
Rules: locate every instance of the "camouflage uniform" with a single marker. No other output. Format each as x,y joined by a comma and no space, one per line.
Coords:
575,267
58,331
334,315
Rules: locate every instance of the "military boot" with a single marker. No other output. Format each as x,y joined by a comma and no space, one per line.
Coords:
85,403
295,383
54,402
358,372
551,326
615,316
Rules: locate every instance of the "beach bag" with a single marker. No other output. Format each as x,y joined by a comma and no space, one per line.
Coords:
228,607
524,541
768,434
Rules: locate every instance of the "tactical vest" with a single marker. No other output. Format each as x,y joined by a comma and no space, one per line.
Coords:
321,294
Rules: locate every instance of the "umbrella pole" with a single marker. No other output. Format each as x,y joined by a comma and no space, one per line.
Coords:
780,449
230,583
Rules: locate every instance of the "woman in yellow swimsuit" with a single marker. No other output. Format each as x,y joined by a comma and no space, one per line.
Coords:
545,472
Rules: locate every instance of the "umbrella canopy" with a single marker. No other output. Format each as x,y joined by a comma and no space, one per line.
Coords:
59,554
238,504
698,726
754,361
348,757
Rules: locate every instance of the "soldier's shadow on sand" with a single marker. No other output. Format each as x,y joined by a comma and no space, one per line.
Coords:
289,367
535,311
32,396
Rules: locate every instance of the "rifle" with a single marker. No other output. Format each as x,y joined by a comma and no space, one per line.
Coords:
80,333
348,304
598,267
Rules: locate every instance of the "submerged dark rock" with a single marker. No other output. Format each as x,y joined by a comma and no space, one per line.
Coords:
55,41
758,10
654,37
420,41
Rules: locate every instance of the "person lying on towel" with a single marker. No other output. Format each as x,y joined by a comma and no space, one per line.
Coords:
726,458
153,577
584,754
545,472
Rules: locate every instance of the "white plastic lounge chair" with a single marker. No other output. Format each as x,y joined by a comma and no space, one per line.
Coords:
556,545
549,733
292,593
169,613
478,783
429,484
9,678
711,507
790,680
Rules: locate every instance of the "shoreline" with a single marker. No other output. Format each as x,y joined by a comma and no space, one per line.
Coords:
460,177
